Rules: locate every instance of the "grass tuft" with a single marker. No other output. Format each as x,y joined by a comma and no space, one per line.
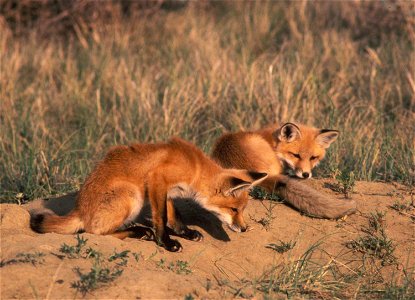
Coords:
123,256
260,194
402,207
76,250
103,270
375,242
282,247
98,276
266,221
317,274
178,267
304,276
345,183
32,258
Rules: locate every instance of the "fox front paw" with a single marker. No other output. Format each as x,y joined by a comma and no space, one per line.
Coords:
169,244
172,246
192,235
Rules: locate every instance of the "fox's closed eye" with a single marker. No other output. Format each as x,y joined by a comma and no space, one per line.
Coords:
313,157
234,209
296,155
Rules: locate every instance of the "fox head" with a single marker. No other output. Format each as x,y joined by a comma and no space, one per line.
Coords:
301,148
228,197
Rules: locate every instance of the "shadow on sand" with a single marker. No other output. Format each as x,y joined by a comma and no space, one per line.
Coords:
191,212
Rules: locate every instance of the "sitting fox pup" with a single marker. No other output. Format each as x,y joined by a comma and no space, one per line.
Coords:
278,150
114,193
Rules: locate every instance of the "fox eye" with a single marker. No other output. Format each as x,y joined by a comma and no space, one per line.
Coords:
296,155
234,209
313,157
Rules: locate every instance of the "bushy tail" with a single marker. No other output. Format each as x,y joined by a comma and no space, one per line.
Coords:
68,224
308,200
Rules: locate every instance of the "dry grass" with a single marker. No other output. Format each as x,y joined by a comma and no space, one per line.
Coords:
316,274
71,86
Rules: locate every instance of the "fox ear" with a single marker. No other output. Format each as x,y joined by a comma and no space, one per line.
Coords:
326,137
236,185
257,177
233,184
288,133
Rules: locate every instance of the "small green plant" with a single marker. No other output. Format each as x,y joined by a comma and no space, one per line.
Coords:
345,183
282,247
74,251
121,255
137,256
179,267
266,221
33,258
401,206
161,263
260,194
152,255
98,276
208,285
375,242
376,222
92,253
189,297
404,290
380,247
101,272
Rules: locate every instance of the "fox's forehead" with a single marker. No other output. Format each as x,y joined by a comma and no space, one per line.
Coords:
238,201
306,145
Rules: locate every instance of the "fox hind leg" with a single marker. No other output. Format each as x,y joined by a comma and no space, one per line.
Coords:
138,232
118,205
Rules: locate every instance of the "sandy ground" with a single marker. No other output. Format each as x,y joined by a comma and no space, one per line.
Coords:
219,263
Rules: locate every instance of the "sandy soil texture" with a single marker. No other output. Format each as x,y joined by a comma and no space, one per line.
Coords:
224,264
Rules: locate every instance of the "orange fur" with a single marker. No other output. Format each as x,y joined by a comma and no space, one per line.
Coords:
114,193
277,150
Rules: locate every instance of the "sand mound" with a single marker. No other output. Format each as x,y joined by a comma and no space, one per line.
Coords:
14,217
224,264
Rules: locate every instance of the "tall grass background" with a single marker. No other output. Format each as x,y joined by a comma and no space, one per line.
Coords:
80,76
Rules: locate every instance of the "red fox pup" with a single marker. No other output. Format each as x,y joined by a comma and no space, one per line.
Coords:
278,150
114,193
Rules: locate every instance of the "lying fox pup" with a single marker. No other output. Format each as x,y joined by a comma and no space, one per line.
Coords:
115,191
278,150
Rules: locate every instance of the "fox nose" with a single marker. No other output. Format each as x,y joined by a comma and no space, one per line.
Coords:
306,174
